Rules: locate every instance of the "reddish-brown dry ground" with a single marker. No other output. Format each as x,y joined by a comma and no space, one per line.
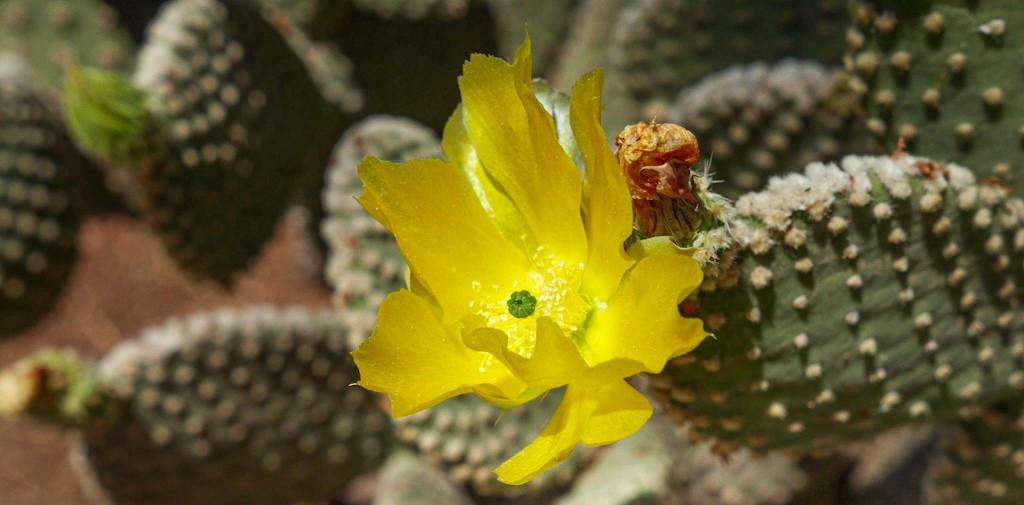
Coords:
123,283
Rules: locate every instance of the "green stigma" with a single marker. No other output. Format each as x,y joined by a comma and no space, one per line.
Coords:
521,304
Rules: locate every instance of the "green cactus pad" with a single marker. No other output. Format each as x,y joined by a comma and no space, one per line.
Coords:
52,33
364,262
248,407
856,298
659,46
469,439
946,77
757,121
241,128
38,220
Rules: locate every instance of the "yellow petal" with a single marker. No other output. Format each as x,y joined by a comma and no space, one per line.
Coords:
642,322
594,416
452,246
418,361
459,150
516,142
607,207
554,363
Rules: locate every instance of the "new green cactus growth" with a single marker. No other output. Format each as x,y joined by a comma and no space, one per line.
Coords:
945,77
855,298
38,220
239,406
236,127
757,120
52,33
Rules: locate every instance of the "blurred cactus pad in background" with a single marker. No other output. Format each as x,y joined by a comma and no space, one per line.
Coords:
186,266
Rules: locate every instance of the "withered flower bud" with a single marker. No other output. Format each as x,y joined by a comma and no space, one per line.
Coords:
656,161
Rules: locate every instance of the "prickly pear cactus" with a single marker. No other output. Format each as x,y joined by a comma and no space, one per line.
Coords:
37,218
659,46
469,439
756,121
248,406
855,298
982,462
51,33
241,125
945,77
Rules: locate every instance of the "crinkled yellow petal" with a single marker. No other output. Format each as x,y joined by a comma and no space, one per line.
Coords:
418,361
459,150
607,211
642,322
515,140
452,246
554,363
594,416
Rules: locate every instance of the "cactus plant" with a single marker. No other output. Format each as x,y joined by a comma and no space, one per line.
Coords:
758,120
38,218
218,138
855,298
945,77
246,406
52,33
659,46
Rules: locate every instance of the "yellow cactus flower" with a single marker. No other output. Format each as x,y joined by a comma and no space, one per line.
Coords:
519,280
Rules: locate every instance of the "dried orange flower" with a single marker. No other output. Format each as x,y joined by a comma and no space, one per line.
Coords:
656,160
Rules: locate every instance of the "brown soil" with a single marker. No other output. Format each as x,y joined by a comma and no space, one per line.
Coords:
123,283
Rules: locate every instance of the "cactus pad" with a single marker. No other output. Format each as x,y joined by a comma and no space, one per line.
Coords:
659,46
247,406
37,219
946,77
243,127
857,297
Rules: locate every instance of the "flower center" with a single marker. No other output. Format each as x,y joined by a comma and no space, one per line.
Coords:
550,289
521,304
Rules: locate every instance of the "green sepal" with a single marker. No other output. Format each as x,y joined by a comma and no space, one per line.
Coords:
106,113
